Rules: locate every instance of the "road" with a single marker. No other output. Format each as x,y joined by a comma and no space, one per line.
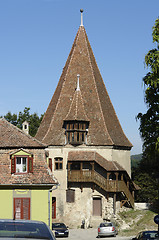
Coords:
89,234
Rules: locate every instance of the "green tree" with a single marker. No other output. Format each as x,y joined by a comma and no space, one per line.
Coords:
148,188
149,121
145,175
33,119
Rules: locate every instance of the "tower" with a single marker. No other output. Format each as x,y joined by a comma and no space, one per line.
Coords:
89,150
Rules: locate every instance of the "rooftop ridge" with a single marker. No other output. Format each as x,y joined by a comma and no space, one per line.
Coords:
96,89
67,69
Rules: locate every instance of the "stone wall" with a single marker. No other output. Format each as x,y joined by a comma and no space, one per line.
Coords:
73,214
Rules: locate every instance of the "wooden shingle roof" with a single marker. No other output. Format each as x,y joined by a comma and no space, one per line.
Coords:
90,156
77,111
104,127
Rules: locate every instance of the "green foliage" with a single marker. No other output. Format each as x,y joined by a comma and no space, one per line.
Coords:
135,160
149,122
146,173
33,119
148,185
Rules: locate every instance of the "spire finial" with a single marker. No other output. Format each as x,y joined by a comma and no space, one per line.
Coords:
78,87
81,10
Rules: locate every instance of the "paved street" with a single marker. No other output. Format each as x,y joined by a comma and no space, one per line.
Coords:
89,234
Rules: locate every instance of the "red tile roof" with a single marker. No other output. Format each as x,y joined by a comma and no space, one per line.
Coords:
104,127
41,175
13,139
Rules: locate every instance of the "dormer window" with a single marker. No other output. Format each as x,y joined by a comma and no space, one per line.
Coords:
76,132
21,162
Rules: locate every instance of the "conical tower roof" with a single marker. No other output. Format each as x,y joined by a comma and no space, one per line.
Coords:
104,126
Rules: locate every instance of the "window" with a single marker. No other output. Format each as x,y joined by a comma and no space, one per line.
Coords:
76,132
75,166
22,208
50,163
70,195
58,163
21,164
53,207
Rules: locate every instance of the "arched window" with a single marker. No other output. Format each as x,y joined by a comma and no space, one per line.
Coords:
112,176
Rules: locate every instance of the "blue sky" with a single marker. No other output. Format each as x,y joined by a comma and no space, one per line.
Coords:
36,37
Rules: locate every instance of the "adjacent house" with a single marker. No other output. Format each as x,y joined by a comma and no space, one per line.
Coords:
26,182
88,150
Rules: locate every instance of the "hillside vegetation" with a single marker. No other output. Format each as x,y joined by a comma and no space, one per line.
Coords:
133,221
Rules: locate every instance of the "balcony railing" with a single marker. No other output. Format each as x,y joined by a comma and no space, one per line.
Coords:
106,184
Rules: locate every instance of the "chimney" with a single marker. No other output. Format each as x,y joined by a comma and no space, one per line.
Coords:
25,127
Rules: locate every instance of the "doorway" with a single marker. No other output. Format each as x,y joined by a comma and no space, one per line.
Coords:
97,206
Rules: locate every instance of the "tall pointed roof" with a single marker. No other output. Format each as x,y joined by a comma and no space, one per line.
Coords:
104,127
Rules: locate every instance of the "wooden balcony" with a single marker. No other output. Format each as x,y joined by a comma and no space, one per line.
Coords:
106,184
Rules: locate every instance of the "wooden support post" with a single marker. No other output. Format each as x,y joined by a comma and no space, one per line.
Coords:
93,166
92,172
81,172
69,170
108,174
107,196
81,166
114,203
93,187
116,183
122,177
69,165
81,187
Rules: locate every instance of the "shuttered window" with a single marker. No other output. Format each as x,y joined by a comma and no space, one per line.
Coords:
30,164
50,163
76,132
70,195
22,208
53,207
13,165
21,164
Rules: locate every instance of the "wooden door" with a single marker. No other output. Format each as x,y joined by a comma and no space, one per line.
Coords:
97,207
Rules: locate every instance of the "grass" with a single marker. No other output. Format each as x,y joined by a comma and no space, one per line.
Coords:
136,221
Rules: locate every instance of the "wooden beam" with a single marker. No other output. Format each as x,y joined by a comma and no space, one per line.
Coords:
114,203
